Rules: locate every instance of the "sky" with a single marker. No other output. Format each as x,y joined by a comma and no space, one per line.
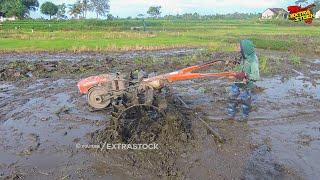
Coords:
125,8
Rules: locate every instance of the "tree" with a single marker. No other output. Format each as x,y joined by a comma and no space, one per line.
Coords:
317,8
154,11
31,4
306,2
85,7
13,8
80,7
75,9
301,2
101,7
110,17
18,8
61,14
48,8
140,16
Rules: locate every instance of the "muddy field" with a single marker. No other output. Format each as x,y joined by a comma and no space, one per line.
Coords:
43,118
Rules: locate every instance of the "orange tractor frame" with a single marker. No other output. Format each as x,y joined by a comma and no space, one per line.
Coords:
103,89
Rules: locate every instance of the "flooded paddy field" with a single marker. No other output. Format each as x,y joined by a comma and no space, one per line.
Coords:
44,118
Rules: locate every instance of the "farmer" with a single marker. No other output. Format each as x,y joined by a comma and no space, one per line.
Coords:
240,91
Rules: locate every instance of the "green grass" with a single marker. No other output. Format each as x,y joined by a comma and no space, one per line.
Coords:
295,60
215,35
264,66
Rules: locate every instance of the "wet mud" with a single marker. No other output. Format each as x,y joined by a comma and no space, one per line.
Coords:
43,120
31,57
173,134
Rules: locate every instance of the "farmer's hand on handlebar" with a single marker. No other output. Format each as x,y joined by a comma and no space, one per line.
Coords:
241,76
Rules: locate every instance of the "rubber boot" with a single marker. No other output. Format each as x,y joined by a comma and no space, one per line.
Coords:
232,104
246,105
232,110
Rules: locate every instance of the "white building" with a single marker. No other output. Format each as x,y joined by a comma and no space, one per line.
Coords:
272,13
3,18
13,18
318,14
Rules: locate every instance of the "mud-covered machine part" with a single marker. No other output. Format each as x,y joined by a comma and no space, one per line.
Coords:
131,102
103,94
138,112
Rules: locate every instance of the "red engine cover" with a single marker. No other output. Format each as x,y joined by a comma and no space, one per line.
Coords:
85,84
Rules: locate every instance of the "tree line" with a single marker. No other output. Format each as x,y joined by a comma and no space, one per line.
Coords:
80,9
304,3
18,8
196,16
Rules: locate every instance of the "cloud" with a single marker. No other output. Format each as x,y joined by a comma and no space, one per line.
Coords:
234,3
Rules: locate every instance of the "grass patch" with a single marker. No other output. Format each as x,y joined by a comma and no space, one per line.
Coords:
295,60
264,65
273,44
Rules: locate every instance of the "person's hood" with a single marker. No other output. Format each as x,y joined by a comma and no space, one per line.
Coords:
247,48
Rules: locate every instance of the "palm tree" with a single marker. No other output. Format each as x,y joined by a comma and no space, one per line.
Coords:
85,7
75,9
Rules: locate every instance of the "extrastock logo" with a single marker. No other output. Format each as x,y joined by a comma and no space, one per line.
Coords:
297,13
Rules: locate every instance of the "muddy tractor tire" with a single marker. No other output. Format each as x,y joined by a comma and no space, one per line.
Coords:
139,116
140,122
99,97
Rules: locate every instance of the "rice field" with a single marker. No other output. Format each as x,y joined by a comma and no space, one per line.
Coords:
117,35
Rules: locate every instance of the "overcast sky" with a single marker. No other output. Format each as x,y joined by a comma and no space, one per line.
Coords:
125,8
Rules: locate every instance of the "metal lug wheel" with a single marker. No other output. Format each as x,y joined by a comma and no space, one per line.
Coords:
99,97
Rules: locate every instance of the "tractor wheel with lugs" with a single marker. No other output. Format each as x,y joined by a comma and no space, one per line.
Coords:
137,119
99,97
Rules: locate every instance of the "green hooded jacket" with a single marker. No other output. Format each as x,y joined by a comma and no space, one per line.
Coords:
249,62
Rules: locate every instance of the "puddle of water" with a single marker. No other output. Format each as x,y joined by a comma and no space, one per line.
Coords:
280,98
285,98
41,108
315,72
198,94
52,115
41,129
289,109
6,90
317,61
275,89
295,144
7,158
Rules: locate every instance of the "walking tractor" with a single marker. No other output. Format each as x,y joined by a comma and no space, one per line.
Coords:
131,96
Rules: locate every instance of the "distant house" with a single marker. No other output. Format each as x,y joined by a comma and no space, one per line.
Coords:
318,14
12,18
4,18
1,16
274,13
